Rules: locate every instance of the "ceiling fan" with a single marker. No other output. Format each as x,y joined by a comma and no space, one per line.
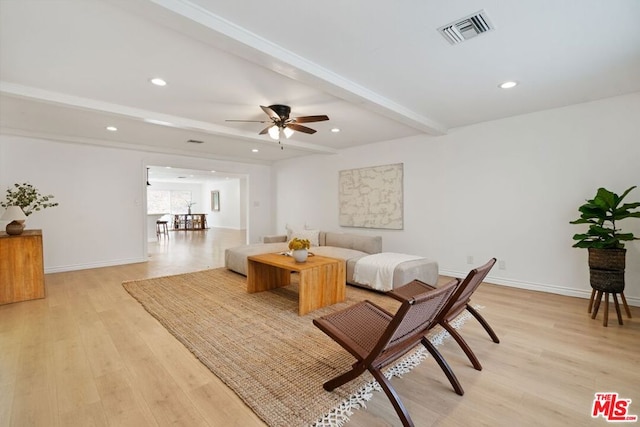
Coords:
280,121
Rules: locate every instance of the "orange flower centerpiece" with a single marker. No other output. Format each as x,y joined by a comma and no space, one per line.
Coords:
299,249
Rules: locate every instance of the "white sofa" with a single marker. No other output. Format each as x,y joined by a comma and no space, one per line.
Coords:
346,246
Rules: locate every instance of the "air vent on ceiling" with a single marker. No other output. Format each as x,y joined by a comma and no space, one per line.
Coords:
466,28
195,141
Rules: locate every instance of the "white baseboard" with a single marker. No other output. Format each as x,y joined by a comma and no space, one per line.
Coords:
63,268
552,289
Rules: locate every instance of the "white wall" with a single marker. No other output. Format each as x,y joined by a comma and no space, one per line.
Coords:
506,188
101,219
232,210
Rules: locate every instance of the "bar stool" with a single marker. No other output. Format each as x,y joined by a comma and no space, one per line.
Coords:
162,228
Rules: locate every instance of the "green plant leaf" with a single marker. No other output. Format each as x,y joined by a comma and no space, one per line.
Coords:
600,231
605,199
628,215
580,236
583,221
626,236
626,192
592,209
629,206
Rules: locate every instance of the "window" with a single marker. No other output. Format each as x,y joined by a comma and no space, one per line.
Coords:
168,201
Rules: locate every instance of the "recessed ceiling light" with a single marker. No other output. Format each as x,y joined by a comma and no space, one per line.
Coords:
213,171
335,130
255,150
158,81
112,128
168,167
508,85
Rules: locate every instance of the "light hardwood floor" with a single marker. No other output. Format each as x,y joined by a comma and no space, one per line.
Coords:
89,355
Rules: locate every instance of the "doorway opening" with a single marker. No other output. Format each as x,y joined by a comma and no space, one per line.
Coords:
185,199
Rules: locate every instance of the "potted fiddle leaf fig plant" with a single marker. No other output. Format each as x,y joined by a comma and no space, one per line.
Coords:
604,240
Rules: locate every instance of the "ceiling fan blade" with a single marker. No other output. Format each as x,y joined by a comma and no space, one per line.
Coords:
300,128
309,119
249,121
270,113
265,130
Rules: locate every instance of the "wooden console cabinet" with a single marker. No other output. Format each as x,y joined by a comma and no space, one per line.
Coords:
21,267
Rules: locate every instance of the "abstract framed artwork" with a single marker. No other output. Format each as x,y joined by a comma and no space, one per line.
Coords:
372,197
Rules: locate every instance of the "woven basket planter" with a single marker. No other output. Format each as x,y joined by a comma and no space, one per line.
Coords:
611,281
607,259
606,268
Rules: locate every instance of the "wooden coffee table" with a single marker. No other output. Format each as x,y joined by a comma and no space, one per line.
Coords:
322,279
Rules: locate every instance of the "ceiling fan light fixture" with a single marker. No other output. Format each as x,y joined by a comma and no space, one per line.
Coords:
287,132
274,132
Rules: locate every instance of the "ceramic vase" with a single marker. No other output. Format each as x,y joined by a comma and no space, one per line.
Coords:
300,255
15,228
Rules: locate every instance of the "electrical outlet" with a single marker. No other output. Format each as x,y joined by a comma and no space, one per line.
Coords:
469,259
502,265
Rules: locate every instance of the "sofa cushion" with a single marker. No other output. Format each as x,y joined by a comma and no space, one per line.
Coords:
290,229
311,235
336,252
236,258
274,238
362,243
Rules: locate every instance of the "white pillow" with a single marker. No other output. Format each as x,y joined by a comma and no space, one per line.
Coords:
312,235
290,230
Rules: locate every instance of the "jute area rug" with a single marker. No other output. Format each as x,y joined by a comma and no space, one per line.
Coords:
275,360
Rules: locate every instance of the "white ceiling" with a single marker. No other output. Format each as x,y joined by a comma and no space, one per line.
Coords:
163,174
379,70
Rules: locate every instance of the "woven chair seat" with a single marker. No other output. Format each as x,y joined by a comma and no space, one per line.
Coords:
360,327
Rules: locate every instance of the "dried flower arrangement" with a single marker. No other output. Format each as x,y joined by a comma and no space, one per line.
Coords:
297,244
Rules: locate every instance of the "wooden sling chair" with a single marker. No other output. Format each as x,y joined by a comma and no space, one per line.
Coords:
468,286
377,338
